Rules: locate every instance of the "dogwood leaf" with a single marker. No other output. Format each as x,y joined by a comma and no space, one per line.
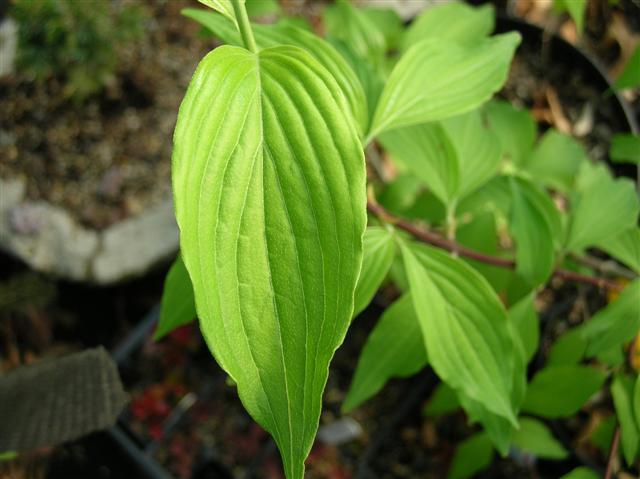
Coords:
560,391
393,349
178,306
625,247
454,21
618,322
273,35
532,231
437,79
464,325
622,392
379,250
591,219
269,189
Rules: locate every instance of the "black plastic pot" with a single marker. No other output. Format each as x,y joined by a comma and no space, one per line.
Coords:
558,56
559,52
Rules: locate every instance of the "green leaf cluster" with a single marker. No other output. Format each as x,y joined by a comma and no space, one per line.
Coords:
269,183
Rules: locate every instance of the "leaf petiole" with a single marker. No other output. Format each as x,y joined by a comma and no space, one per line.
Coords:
244,25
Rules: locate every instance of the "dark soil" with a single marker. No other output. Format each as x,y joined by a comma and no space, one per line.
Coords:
108,158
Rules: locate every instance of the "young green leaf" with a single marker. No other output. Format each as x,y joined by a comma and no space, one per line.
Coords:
387,22
225,7
464,325
516,130
352,26
454,21
543,164
427,151
625,148
560,391
269,187
622,392
581,473
379,250
477,149
525,320
532,232
592,217
625,247
178,306
453,157
444,400
497,427
630,77
569,349
393,349
460,79
273,35
615,324
472,456
534,437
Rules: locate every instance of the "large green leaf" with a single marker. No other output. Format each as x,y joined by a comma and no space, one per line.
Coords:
394,348
534,437
269,187
178,305
556,160
592,211
532,230
472,455
622,392
379,250
273,35
437,79
624,247
455,21
464,326
615,324
560,391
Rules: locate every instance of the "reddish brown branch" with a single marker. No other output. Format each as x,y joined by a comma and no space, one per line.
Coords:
613,453
435,239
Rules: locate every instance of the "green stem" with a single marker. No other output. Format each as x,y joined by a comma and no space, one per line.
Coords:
244,26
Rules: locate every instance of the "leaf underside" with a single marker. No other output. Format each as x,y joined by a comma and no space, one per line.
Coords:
269,186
